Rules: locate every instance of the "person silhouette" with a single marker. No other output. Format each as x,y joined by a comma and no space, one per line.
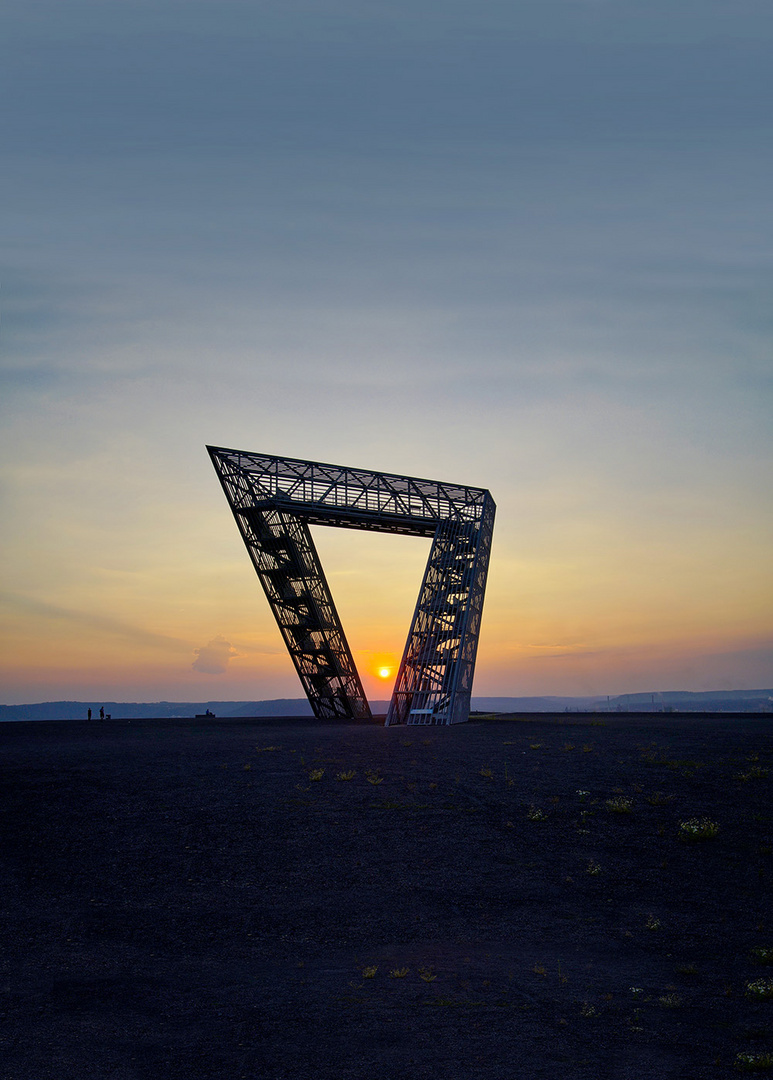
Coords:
102,712
89,714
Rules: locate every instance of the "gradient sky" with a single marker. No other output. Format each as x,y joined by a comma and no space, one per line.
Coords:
518,245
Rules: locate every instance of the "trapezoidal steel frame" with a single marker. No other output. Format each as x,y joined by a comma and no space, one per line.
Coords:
275,500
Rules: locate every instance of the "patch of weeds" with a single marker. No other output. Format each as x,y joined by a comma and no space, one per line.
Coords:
267,749
687,971
659,799
652,923
582,794
406,742
427,974
398,973
538,969
535,814
671,1001
620,805
587,748
568,746
637,991
370,972
686,764
372,777
593,868
695,829
763,954
755,773
535,746
346,775
316,774
761,989
487,774
588,1010
749,1062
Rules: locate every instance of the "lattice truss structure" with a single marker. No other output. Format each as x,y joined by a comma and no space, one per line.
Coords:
275,500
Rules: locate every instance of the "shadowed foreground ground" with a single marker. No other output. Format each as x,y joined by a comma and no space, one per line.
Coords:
181,900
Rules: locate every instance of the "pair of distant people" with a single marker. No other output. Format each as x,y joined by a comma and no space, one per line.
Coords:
101,713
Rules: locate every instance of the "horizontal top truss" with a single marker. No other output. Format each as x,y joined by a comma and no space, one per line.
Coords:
350,498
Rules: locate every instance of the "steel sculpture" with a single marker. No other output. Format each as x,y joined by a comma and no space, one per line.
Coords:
275,500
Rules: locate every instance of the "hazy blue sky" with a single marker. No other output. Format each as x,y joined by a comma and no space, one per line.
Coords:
521,245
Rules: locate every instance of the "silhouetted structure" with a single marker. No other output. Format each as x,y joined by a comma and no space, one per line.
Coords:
275,500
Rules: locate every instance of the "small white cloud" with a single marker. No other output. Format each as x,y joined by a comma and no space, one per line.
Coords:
212,659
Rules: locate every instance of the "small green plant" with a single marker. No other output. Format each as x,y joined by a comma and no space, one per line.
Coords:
695,829
369,972
670,1001
747,1062
568,746
659,799
620,805
762,989
587,1009
652,923
427,974
487,774
593,868
267,749
763,954
373,778
535,745
346,775
316,774
754,773
637,991
582,794
398,973
535,814
406,742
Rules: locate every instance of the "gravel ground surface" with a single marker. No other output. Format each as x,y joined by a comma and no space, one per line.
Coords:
283,899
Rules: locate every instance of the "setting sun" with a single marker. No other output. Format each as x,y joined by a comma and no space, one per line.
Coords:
384,672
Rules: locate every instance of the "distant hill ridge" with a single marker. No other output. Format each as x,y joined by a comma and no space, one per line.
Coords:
671,700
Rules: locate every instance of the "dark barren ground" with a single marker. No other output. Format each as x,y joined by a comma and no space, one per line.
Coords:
181,900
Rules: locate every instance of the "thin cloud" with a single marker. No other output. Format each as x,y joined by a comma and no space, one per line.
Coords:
30,606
